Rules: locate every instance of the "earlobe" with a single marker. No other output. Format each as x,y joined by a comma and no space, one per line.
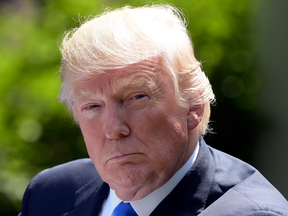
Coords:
194,116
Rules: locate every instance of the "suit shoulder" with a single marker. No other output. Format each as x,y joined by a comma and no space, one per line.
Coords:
244,186
72,168
71,176
235,202
55,188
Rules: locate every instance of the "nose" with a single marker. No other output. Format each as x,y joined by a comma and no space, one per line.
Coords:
114,123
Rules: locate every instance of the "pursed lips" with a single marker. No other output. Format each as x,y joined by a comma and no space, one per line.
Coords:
120,155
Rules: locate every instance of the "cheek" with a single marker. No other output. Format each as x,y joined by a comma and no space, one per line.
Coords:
92,138
162,131
166,140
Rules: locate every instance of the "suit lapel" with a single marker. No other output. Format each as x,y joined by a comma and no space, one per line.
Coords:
190,195
89,199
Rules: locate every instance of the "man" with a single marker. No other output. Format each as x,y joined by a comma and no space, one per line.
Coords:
142,102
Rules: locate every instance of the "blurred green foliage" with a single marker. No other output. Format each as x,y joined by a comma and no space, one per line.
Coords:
36,132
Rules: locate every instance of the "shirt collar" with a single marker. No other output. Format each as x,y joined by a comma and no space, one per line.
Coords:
145,206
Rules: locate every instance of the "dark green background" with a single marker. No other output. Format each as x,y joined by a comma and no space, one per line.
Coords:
243,47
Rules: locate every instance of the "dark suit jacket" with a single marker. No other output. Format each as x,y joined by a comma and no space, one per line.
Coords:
217,184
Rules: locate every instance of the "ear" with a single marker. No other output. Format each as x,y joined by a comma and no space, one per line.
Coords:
194,116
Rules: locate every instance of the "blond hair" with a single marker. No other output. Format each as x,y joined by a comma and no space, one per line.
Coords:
125,36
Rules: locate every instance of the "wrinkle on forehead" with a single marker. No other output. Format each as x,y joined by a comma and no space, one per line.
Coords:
144,74
141,74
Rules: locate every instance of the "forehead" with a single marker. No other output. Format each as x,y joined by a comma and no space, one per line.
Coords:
145,73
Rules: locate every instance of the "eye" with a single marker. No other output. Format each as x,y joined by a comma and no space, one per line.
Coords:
137,101
90,107
138,97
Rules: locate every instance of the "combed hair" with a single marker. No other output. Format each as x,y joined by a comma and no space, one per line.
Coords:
125,36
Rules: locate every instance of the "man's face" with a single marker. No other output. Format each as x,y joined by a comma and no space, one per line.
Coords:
135,132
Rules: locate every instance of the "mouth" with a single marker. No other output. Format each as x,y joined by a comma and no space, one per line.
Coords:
123,156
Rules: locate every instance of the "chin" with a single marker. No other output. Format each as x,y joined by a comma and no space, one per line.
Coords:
130,187
131,194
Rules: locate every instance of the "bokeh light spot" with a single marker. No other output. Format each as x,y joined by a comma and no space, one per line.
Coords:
30,130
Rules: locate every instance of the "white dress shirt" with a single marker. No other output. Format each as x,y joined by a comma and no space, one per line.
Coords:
145,206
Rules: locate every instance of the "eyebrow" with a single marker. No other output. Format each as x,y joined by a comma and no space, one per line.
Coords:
133,82
81,94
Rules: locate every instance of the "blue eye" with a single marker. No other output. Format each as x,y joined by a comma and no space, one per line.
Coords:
138,97
92,106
